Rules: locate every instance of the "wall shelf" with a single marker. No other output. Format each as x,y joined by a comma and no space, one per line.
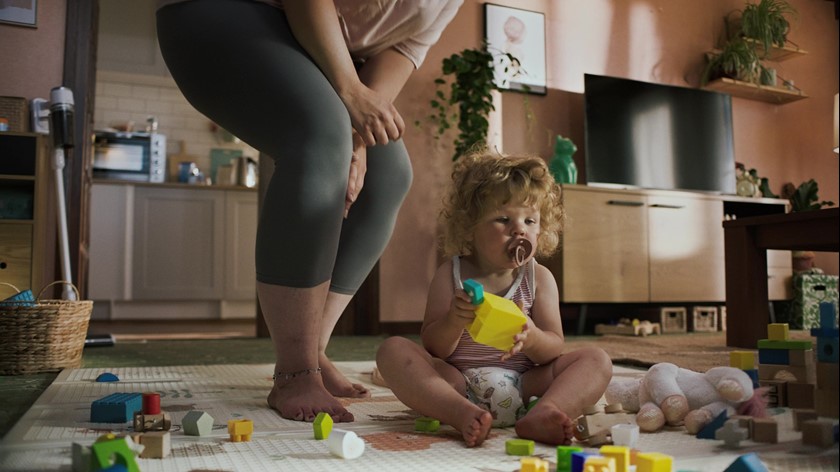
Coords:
778,54
751,91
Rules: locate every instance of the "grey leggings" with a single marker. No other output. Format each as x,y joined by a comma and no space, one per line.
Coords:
237,62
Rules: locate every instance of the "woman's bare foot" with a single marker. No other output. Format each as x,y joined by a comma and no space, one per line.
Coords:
336,383
474,425
547,424
302,398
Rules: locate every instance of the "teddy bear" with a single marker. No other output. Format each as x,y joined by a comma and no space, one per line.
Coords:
673,395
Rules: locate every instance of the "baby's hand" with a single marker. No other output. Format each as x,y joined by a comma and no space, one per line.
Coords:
518,342
461,311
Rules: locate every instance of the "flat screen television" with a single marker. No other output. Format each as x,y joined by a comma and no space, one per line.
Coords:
655,136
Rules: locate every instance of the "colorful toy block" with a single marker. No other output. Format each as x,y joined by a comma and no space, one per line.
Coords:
107,377
765,430
778,331
774,356
519,447
790,344
593,424
426,424
827,349
157,444
151,403
620,454
564,457
818,432
708,431
599,464
345,444
240,430
743,360
115,408
533,464
159,422
197,423
732,434
747,463
753,373
108,452
497,319
624,435
776,392
796,373
653,462
579,459
322,426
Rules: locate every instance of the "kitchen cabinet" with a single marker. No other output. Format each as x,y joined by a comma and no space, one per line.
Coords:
653,246
186,250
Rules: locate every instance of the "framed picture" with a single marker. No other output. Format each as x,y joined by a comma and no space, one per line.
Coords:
521,34
18,12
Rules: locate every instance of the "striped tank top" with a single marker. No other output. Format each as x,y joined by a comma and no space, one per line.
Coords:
470,354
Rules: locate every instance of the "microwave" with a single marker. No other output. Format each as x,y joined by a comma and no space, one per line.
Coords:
139,157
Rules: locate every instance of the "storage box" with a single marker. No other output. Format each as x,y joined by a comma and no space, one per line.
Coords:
13,109
808,291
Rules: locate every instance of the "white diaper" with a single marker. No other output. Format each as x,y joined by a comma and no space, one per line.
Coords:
498,391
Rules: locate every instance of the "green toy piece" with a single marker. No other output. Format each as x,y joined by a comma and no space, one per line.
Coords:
790,344
564,457
426,424
562,166
519,447
110,452
322,426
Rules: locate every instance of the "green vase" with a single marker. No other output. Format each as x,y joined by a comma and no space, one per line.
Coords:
562,165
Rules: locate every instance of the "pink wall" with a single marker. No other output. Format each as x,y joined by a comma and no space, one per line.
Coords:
659,41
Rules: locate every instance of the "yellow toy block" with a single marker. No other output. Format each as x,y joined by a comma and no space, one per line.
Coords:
744,360
653,462
322,426
240,430
621,455
599,464
778,331
497,319
533,464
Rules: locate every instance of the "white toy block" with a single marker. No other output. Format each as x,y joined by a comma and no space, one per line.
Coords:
673,319
197,423
625,434
345,444
704,318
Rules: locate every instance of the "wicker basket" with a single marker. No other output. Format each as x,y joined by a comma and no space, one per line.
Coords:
14,110
44,335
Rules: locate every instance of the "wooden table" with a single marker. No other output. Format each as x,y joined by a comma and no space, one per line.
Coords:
746,243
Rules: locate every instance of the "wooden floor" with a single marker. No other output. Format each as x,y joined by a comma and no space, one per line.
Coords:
181,329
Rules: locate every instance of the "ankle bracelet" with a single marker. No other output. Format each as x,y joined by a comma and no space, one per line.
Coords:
291,375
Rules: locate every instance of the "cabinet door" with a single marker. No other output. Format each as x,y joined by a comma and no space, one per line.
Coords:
240,239
110,254
605,253
178,244
686,249
16,257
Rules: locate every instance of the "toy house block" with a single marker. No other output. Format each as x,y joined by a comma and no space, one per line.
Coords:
778,331
157,444
533,464
704,318
827,349
110,452
673,319
774,356
240,430
519,447
826,402
792,373
592,425
818,433
115,408
564,457
151,403
747,463
579,459
801,357
765,430
800,395
708,431
158,422
744,360
624,434
732,434
789,344
801,416
776,392
197,423
322,426
497,319
620,454
653,462
426,424
599,464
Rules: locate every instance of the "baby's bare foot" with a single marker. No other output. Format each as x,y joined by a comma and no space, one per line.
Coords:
302,398
337,384
545,423
474,424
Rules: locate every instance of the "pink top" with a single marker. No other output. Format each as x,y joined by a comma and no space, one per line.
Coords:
469,354
372,26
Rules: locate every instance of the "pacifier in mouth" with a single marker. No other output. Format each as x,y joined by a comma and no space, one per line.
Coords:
520,250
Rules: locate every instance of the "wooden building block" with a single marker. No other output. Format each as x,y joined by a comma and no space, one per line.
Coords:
818,433
826,402
704,318
116,408
744,360
801,356
800,395
722,323
778,331
765,430
564,457
148,422
533,464
732,434
591,425
599,464
801,416
828,375
790,344
653,462
625,435
791,373
197,423
620,454
673,319
743,421
157,444
776,392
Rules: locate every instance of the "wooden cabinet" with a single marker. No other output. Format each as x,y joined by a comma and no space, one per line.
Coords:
649,246
27,223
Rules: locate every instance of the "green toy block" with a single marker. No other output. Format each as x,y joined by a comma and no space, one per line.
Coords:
322,426
564,457
519,447
110,452
426,424
497,319
790,344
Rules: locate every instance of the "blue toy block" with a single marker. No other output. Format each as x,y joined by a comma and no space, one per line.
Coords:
827,350
753,373
107,377
475,290
579,459
827,328
564,457
774,356
116,408
747,463
708,431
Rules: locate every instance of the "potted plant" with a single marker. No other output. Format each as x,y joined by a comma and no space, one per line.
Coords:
804,197
765,22
736,60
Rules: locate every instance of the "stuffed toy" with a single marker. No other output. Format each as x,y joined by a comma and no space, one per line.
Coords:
672,395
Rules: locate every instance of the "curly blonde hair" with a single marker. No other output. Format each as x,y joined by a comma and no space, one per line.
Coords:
483,181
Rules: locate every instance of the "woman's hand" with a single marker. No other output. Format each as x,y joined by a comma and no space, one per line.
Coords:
373,116
358,169
461,311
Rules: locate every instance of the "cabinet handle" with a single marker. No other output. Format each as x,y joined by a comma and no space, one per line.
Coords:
625,203
663,205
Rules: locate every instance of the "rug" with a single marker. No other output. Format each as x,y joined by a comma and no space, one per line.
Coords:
42,439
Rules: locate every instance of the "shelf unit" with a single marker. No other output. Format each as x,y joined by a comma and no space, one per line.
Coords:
25,237
752,91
